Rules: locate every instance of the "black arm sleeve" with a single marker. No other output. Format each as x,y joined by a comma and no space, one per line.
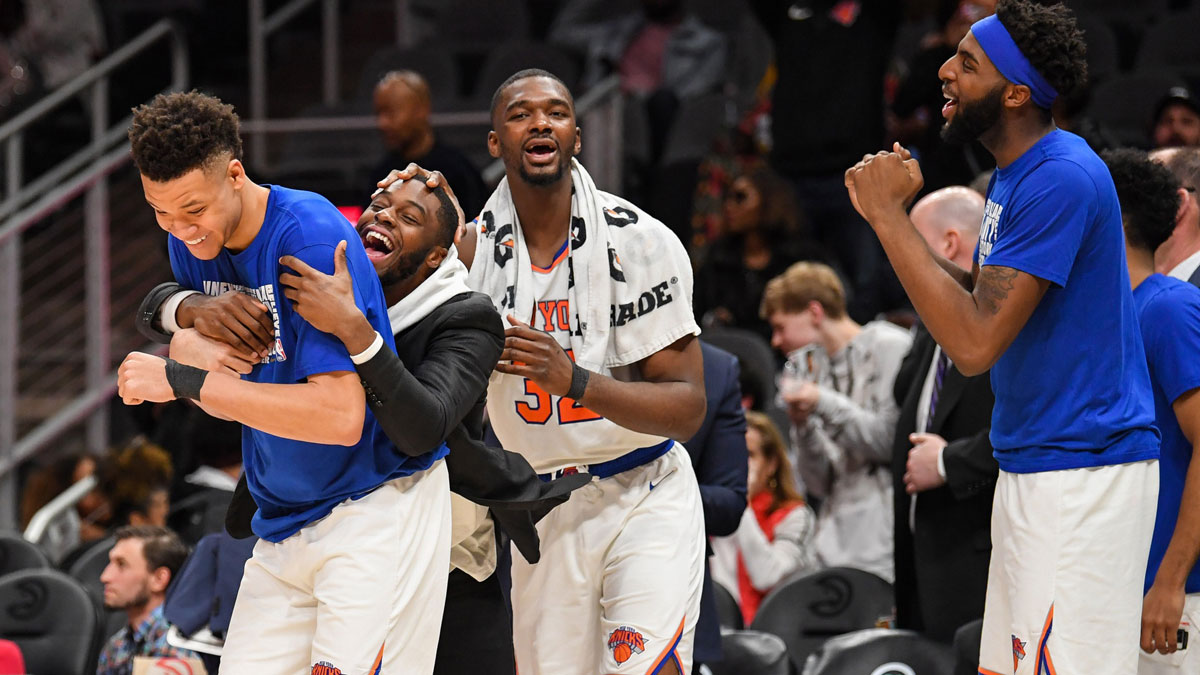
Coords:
147,314
418,408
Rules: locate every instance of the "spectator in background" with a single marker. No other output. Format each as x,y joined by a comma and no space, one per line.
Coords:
87,522
1169,317
1176,120
916,114
761,239
402,109
718,452
141,566
843,412
60,38
662,53
827,112
775,536
1179,255
135,479
943,470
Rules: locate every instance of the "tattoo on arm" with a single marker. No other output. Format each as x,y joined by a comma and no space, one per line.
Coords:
993,286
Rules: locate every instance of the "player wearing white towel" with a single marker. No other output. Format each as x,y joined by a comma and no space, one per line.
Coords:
585,276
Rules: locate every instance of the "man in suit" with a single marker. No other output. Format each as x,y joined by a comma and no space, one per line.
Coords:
942,465
1179,255
718,452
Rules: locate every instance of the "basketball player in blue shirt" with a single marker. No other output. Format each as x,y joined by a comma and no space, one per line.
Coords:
350,572
1169,314
1048,307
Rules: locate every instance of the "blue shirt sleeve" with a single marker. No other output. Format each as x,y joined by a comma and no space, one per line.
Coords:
1042,227
180,266
1171,327
314,351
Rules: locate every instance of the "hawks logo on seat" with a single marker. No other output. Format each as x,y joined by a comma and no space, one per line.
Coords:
325,668
625,642
1018,650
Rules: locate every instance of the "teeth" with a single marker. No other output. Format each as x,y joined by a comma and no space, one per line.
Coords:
379,237
193,242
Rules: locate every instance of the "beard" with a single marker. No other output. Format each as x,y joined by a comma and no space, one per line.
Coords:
139,600
404,268
542,180
972,120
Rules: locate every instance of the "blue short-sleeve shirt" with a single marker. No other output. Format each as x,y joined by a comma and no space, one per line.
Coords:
293,482
1073,389
1169,310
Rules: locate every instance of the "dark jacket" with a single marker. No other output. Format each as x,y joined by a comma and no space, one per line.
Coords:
942,565
434,388
718,452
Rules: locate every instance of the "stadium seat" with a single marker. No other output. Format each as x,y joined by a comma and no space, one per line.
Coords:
510,57
881,651
809,610
199,514
430,61
52,620
86,569
1171,43
1124,104
756,359
729,614
748,652
17,554
966,648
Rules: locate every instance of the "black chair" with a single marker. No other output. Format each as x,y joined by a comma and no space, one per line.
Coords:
1171,43
966,647
429,60
511,57
52,620
881,651
199,514
748,652
809,610
729,614
18,554
1123,104
86,569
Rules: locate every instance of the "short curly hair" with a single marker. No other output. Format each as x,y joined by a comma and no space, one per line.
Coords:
1049,37
175,133
1149,196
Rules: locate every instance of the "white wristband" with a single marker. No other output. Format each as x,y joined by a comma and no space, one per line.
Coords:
942,463
368,353
166,314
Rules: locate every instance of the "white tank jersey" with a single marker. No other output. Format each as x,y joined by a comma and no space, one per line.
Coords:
554,432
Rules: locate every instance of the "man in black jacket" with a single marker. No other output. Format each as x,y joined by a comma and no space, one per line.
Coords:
943,468
432,389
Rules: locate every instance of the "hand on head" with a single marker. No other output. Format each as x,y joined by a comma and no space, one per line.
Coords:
433,180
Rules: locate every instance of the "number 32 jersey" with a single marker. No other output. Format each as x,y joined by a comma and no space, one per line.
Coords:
555,432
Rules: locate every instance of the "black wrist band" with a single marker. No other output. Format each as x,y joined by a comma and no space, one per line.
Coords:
579,380
185,381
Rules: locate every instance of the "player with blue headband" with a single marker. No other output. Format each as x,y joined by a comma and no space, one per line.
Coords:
1048,308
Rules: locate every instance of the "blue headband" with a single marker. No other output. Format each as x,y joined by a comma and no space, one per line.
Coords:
1012,64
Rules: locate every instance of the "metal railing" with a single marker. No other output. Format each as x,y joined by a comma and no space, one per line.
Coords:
26,204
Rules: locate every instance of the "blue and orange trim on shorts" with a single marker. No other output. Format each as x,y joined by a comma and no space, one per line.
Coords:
612,467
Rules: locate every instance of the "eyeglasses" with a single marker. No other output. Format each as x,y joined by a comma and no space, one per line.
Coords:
739,196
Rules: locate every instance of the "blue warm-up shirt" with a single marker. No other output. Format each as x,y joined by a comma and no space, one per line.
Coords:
1169,312
1072,390
293,482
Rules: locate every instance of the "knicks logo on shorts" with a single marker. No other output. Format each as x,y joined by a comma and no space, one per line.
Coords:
625,642
325,668
1018,651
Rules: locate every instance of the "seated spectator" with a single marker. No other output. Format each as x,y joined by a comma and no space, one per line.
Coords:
774,539
1179,255
760,240
87,522
1176,120
402,108
141,566
135,480
60,38
842,410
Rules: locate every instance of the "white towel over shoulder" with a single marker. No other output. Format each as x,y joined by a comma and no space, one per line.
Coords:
630,277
